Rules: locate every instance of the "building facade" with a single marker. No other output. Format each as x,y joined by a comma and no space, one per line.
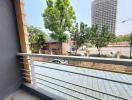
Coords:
104,12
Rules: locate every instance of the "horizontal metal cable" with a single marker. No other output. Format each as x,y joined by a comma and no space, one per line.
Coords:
22,58
81,86
68,88
59,91
84,67
80,58
26,70
52,88
26,74
27,78
83,74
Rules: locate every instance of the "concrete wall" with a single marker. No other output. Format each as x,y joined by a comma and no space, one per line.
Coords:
10,77
107,50
125,51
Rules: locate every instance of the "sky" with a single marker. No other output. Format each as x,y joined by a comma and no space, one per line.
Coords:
35,8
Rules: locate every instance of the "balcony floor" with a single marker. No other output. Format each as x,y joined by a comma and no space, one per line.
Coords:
21,95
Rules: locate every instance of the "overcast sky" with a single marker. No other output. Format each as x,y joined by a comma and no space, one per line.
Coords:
34,9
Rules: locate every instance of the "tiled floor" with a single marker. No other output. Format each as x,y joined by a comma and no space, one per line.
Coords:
21,95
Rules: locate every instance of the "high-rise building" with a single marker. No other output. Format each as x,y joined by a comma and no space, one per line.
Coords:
104,12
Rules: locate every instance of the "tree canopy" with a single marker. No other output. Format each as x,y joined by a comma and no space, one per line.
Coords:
37,37
101,38
80,33
122,38
58,17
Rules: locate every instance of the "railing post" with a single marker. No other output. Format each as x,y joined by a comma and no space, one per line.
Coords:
33,71
22,30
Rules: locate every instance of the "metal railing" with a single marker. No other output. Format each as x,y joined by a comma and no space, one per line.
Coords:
75,83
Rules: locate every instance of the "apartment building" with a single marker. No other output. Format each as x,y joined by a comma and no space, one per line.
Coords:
104,12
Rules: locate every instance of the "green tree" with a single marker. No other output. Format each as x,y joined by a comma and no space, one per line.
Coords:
58,18
130,39
36,37
101,39
130,42
122,38
80,33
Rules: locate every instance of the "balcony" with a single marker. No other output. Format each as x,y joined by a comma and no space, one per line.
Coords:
38,77
60,81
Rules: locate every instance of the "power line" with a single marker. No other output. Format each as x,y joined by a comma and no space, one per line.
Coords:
126,20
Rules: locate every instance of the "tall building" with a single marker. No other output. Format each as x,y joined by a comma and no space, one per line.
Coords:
104,12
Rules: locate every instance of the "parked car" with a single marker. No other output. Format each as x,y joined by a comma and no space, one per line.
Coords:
77,54
58,61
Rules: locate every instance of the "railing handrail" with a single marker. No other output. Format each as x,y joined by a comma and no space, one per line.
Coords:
54,81
127,62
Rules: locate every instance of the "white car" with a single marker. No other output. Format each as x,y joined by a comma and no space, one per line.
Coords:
59,61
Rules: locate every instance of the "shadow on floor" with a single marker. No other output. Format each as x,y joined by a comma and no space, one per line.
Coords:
21,95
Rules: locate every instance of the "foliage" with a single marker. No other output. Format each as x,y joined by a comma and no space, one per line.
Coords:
122,38
58,18
101,39
80,33
36,37
130,39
